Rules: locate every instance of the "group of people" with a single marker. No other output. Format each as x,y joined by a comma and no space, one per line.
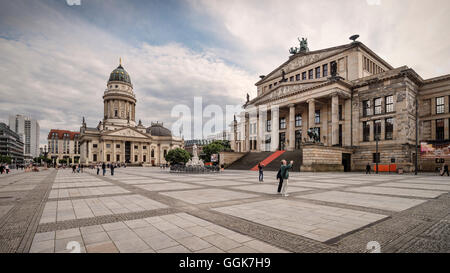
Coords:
282,176
77,168
103,166
4,168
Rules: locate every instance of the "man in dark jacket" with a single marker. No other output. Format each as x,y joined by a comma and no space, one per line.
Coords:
445,170
368,168
261,172
104,168
285,175
112,169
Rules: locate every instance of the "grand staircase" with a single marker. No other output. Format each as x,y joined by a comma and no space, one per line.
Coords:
270,160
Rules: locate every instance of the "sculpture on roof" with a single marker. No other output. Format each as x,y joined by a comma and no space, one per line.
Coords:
303,45
248,98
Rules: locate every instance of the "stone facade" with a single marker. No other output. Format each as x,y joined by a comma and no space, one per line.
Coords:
63,145
367,99
117,138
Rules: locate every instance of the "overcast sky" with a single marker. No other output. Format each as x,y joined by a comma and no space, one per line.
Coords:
55,58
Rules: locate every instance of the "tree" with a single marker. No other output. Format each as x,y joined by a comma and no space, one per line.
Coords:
212,148
177,156
5,159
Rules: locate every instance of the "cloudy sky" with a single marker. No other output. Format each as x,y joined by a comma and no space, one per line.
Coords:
55,58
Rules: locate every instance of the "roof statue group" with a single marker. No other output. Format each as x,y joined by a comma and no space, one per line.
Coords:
303,47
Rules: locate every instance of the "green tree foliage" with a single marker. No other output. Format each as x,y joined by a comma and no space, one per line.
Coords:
177,156
5,159
212,148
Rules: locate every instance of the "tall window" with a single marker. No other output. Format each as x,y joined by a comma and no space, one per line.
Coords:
340,111
367,110
116,113
269,126
325,70
317,72
153,153
311,74
317,117
108,157
440,105
118,158
270,86
366,131
389,104
304,76
298,120
297,77
377,129
389,128
376,157
439,129
377,104
282,123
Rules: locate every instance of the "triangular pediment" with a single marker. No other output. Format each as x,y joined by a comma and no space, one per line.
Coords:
127,132
300,60
284,90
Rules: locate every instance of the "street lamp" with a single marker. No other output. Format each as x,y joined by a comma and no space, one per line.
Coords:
377,157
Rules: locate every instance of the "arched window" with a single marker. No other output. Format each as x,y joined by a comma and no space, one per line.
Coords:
153,153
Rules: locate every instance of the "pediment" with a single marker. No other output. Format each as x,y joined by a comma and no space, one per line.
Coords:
285,90
127,132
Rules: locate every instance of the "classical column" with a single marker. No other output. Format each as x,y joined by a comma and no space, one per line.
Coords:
258,131
311,113
334,120
305,123
291,128
275,126
347,131
247,131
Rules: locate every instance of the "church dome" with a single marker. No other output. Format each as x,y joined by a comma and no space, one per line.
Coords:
119,75
158,130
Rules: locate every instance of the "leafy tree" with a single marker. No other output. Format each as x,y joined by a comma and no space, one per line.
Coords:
177,156
5,159
212,148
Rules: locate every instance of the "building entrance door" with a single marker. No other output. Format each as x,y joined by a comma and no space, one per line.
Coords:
347,162
298,139
282,144
127,151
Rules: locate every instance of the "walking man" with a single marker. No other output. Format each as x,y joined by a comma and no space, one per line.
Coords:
104,168
285,174
261,172
280,177
98,169
112,169
368,168
445,170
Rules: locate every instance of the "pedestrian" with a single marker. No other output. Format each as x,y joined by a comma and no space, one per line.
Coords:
2,168
104,168
261,172
98,169
112,169
7,168
285,175
445,167
368,168
74,168
280,177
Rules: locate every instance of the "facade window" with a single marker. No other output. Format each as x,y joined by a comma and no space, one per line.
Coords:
377,129
310,74
136,147
115,113
144,147
377,105
439,129
165,153
282,123
291,79
297,77
275,84
118,158
153,153
118,146
135,158
94,145
317,117
108,157
366,131
389,104
303,76
298,120
270,86
340,112
325,70
94,158
440,105
317,72
108,146
144,158
367,110
269,126
389,129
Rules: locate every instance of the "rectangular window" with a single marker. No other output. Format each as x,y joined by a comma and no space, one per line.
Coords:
440,105
282,123
304,76
118,158
118,146
298,120
95,158
136,147
297,77
311,74
135,158
366,131
367,110
108,146
270,86
325,70
317,72
291,79
389,129
377,105
269,126
389,104
145,158
377,129
144,148
94,145
439,129
317,117
108,157
340,112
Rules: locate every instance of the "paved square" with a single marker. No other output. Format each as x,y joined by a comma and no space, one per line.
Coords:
208,195
316,222
366,200
90,191
398,191
167,186
269,188
428,186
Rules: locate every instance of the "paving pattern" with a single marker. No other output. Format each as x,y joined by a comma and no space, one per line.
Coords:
151,210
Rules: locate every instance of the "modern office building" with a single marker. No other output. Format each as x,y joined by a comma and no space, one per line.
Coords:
11,144
29,129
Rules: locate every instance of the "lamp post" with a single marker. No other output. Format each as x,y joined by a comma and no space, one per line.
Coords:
377,157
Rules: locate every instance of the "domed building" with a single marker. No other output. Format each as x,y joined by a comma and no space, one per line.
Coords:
117,138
